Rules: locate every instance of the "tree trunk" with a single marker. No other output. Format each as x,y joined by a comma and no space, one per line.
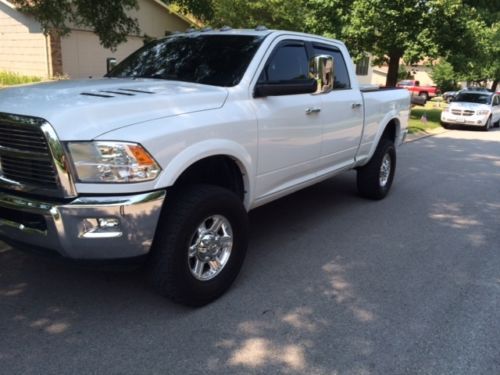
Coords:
392,74
494,85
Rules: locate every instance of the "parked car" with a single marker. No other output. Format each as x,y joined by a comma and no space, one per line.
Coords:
162,159
476,89
449,95
473,108
414,87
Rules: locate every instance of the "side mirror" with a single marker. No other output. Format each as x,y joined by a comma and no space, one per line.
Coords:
322,68
110,64
307,86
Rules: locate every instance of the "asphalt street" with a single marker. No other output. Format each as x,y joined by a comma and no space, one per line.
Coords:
332,284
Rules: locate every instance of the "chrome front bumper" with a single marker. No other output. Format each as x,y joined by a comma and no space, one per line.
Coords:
110,227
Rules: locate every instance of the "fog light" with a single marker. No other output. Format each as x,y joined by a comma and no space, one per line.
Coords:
103,227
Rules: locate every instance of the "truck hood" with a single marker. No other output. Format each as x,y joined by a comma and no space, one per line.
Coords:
85,109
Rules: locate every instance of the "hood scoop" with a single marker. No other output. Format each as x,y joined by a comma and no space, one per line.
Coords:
115,93
138,91
96,94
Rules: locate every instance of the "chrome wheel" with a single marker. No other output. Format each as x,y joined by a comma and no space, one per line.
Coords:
210,247
385,170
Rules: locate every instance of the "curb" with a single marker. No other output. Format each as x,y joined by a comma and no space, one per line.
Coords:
424,134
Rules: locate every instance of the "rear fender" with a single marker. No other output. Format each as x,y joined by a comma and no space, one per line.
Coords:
390,119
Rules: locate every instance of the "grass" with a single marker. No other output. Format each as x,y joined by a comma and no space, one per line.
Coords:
425,118
9,79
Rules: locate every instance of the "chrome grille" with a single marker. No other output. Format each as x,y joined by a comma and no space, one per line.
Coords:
456,112
468,112
25,157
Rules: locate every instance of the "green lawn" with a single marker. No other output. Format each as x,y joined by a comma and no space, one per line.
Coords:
8,79
425,118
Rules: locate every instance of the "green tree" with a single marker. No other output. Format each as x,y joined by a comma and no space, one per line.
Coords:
109,19
393,29
469,39
445,76
276,14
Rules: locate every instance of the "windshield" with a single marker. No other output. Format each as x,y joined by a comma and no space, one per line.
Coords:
405,83
219,60
473,98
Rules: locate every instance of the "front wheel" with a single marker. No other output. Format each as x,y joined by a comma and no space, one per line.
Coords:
374,180
488,125
200,245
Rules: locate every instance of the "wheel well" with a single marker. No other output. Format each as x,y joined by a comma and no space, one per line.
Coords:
219,170
391,131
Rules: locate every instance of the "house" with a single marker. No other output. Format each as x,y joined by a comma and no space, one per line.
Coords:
24,48
377,75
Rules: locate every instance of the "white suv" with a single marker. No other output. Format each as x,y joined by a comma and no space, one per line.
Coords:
474,108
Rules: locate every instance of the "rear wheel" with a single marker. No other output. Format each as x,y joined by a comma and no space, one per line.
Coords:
200,245
374,180
424,95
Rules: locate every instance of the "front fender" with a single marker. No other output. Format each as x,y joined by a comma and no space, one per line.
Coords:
214,147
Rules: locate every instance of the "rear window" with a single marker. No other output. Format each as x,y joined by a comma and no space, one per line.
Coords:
406,83
341,79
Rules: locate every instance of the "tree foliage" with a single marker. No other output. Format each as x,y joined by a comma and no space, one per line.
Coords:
109,19
276,14
445,76
459,31
464,33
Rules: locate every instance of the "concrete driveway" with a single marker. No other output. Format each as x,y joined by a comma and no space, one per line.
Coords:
333,284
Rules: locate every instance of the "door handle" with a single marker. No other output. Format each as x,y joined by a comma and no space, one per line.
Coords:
312,110
356,105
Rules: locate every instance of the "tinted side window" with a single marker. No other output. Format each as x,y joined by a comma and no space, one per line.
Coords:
288,63
341,75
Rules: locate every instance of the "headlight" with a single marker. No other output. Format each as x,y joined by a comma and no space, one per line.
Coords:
113,162
483,112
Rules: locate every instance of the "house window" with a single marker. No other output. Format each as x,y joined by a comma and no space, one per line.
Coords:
362,66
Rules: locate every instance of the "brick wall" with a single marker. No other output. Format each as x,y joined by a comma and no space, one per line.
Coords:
23,46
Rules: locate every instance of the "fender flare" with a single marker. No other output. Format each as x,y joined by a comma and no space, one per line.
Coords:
392,116
199,151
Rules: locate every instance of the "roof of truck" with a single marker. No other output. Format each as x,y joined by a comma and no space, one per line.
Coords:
258,31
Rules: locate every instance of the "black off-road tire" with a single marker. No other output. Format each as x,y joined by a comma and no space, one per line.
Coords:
168,268
368,178
424,95
488,125
445,125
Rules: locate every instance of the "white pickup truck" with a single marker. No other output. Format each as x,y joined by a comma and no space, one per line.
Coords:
162,158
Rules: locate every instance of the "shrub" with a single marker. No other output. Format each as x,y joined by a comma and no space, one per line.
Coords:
9,78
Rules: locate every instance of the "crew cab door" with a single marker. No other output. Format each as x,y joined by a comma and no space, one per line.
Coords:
289,126
341,112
